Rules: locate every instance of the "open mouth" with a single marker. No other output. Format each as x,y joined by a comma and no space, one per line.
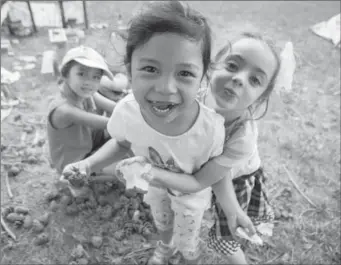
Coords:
162,107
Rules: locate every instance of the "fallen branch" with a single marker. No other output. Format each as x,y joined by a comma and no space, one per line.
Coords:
10,194
275,258
296,186
135,253
9,231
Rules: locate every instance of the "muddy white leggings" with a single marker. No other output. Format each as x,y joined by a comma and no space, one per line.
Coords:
182,213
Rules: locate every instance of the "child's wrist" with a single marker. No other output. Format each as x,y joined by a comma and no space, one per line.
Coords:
88,165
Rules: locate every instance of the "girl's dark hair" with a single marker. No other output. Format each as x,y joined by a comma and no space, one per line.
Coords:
66,69
168,17
264,98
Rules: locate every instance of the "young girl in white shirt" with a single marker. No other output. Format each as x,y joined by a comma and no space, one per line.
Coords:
167,55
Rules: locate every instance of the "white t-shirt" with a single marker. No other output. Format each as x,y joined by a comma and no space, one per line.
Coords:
184,153
240,149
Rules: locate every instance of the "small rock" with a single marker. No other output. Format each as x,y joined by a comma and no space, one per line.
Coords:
278,214
307,246
32,160
130,193
51,195
54,206
80,199
37,226
78,252
82,261
106,213
44,219
285,214
28,222
65,200
12,217
82,207
91,204
116,260
80,238
21,210
72,209
119,235
102,200
97,241
41,239
13,171
18,224
7,210
124,200
28,129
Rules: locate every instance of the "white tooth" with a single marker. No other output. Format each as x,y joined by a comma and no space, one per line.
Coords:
159,110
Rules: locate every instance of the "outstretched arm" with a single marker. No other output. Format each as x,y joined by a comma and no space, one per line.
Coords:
104,103
209,174
66,115
109,153
226,196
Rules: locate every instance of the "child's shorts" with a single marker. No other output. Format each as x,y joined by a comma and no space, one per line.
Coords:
183,213
250,191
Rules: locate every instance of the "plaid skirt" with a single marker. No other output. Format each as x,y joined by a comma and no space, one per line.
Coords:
250,191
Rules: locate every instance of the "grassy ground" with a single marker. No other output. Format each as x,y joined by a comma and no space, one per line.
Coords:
299,141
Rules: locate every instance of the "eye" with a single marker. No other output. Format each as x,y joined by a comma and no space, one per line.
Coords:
97,77
231,66
149,69
80,73
186,74
255,81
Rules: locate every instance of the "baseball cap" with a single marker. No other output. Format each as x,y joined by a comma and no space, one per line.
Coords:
88,57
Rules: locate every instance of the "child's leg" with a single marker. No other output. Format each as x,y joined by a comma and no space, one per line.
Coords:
250,192
163,217
189,212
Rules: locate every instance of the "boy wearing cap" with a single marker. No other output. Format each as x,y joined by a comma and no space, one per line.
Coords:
75,126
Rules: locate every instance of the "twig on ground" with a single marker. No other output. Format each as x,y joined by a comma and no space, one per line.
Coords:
9,231
298,189
10,194
135,252
275,258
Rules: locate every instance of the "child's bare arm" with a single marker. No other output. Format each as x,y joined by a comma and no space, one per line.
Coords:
66,115
109,153
236,217
209,174
104,103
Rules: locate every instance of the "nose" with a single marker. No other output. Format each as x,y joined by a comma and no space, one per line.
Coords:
166,85
239,79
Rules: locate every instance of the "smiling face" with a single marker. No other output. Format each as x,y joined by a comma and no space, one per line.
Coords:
246,73
83,80
166,73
